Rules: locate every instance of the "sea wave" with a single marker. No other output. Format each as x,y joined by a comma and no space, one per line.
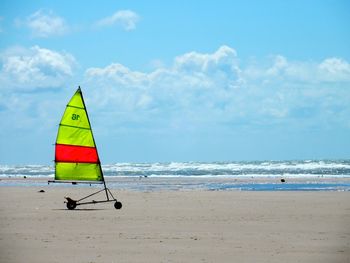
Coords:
272,168
303,168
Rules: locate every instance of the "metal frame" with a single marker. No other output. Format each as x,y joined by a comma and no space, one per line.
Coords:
109,195
108,192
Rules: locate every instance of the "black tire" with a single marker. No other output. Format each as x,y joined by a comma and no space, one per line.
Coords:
71,205
118,205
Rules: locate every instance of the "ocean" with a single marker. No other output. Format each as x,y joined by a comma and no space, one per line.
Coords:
300,175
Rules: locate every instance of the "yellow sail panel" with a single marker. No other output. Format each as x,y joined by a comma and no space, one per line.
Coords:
78,171
75,117
77,100
75,136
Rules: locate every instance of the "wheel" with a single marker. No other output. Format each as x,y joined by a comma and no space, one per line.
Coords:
118,205
71,204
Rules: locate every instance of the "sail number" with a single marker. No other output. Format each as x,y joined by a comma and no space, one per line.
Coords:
75,117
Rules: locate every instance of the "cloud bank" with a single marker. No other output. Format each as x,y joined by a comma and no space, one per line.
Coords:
200,101
212,88
196,83
198,92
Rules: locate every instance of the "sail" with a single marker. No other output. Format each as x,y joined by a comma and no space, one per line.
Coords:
76,157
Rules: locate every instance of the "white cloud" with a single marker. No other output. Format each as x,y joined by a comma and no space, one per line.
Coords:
119,74
33,68
199,93
197,86
309,72
219,68
213,87
335,69
316,92
44,23
126,19
224,56
189,70
198,90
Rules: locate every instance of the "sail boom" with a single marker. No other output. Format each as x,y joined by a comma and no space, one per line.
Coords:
74,182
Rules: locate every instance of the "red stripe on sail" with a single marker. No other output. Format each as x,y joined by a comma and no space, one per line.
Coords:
76,154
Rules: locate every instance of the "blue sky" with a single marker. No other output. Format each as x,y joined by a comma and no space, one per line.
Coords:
178,81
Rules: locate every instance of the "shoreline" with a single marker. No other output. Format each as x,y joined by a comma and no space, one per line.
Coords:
197,183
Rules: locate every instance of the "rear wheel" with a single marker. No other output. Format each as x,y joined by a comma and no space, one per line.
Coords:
118,205
71,204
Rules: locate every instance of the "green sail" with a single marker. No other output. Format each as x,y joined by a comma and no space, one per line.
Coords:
78,171
76,157
75,127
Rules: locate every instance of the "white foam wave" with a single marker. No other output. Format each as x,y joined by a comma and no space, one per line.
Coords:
339,168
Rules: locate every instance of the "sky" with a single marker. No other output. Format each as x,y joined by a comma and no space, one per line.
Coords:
172,81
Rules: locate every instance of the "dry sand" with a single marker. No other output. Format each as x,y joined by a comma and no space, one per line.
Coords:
175,226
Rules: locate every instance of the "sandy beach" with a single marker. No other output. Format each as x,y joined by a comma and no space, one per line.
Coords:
175,226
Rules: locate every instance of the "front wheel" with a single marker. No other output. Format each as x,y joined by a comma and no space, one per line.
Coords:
118,205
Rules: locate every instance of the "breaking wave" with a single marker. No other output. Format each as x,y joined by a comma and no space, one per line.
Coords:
304,168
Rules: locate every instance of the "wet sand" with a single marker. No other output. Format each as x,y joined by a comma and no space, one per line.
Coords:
174,226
